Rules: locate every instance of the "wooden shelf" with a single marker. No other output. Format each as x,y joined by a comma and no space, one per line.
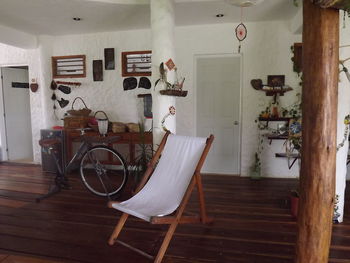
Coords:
285,155
176,93
277,137
275,119
275,91
294,156
144,95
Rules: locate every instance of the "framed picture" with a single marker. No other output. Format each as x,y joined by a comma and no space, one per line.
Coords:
136,63
275,80
69,66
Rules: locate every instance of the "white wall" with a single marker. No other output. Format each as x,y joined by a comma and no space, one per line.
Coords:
12,56
107,95
343,110
265,52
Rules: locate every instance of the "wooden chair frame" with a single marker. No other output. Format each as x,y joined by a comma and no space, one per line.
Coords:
178,217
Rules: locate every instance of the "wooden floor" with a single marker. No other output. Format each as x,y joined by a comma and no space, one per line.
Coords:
252,224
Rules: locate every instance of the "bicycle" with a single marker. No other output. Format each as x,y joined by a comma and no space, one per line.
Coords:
103,170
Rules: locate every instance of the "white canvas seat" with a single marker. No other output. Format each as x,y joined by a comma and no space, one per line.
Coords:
164,191
167,187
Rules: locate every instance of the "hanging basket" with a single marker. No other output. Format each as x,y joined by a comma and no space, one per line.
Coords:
82,112
102,123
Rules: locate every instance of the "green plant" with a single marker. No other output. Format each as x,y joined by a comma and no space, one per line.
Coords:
256,167
144,156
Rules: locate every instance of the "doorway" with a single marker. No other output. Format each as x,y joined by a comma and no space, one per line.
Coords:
16,129
218,88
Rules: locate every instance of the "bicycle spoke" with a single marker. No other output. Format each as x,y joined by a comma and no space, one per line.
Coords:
110,180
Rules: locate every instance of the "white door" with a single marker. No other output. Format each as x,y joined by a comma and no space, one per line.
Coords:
218,110
16,101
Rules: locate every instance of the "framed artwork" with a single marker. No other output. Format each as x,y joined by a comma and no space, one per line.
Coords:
69,66
109,59
97,70
137,63
275,80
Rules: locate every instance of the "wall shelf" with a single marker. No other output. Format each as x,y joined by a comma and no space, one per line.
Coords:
176,93
276,91
274,119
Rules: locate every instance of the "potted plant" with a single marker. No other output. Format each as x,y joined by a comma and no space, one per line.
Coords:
255,169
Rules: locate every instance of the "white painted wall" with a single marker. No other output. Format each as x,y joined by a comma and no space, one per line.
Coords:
12,56
343,110
265,52
107,95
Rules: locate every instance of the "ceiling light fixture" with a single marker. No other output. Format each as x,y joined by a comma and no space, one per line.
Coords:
77,19
244,3
219,15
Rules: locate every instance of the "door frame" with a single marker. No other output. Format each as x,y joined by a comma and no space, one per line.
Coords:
221,55
3,133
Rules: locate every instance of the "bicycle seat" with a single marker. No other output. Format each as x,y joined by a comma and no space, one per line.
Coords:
49,142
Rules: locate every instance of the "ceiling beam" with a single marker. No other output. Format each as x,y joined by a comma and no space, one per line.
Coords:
13,37
338,4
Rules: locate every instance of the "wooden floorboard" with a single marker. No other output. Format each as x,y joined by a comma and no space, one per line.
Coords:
252,223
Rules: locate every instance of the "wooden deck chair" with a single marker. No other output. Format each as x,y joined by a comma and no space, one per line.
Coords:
168,189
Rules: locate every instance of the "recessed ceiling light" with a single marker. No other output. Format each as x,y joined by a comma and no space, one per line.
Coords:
77,18
219,15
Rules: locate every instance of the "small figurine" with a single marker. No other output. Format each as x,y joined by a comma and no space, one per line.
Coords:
163,76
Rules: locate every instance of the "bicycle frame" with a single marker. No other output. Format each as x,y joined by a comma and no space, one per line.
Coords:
83,148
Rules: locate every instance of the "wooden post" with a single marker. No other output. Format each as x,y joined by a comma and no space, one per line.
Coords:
319,102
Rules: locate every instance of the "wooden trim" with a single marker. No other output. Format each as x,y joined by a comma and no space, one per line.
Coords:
319,131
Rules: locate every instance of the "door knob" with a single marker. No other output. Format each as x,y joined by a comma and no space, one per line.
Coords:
236,123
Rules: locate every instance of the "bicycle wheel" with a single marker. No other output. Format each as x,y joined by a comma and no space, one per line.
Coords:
103,171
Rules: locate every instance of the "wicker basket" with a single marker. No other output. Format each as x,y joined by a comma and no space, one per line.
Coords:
133,127
76,122
118,127
82,112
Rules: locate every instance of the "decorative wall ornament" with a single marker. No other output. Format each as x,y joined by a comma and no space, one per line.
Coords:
241,32
130,83
97,70
145,83
34,85
162,77
109,59
171,112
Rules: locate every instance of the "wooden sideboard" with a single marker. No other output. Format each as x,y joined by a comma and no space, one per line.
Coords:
128,138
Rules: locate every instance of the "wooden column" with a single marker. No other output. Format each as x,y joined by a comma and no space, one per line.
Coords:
319,101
